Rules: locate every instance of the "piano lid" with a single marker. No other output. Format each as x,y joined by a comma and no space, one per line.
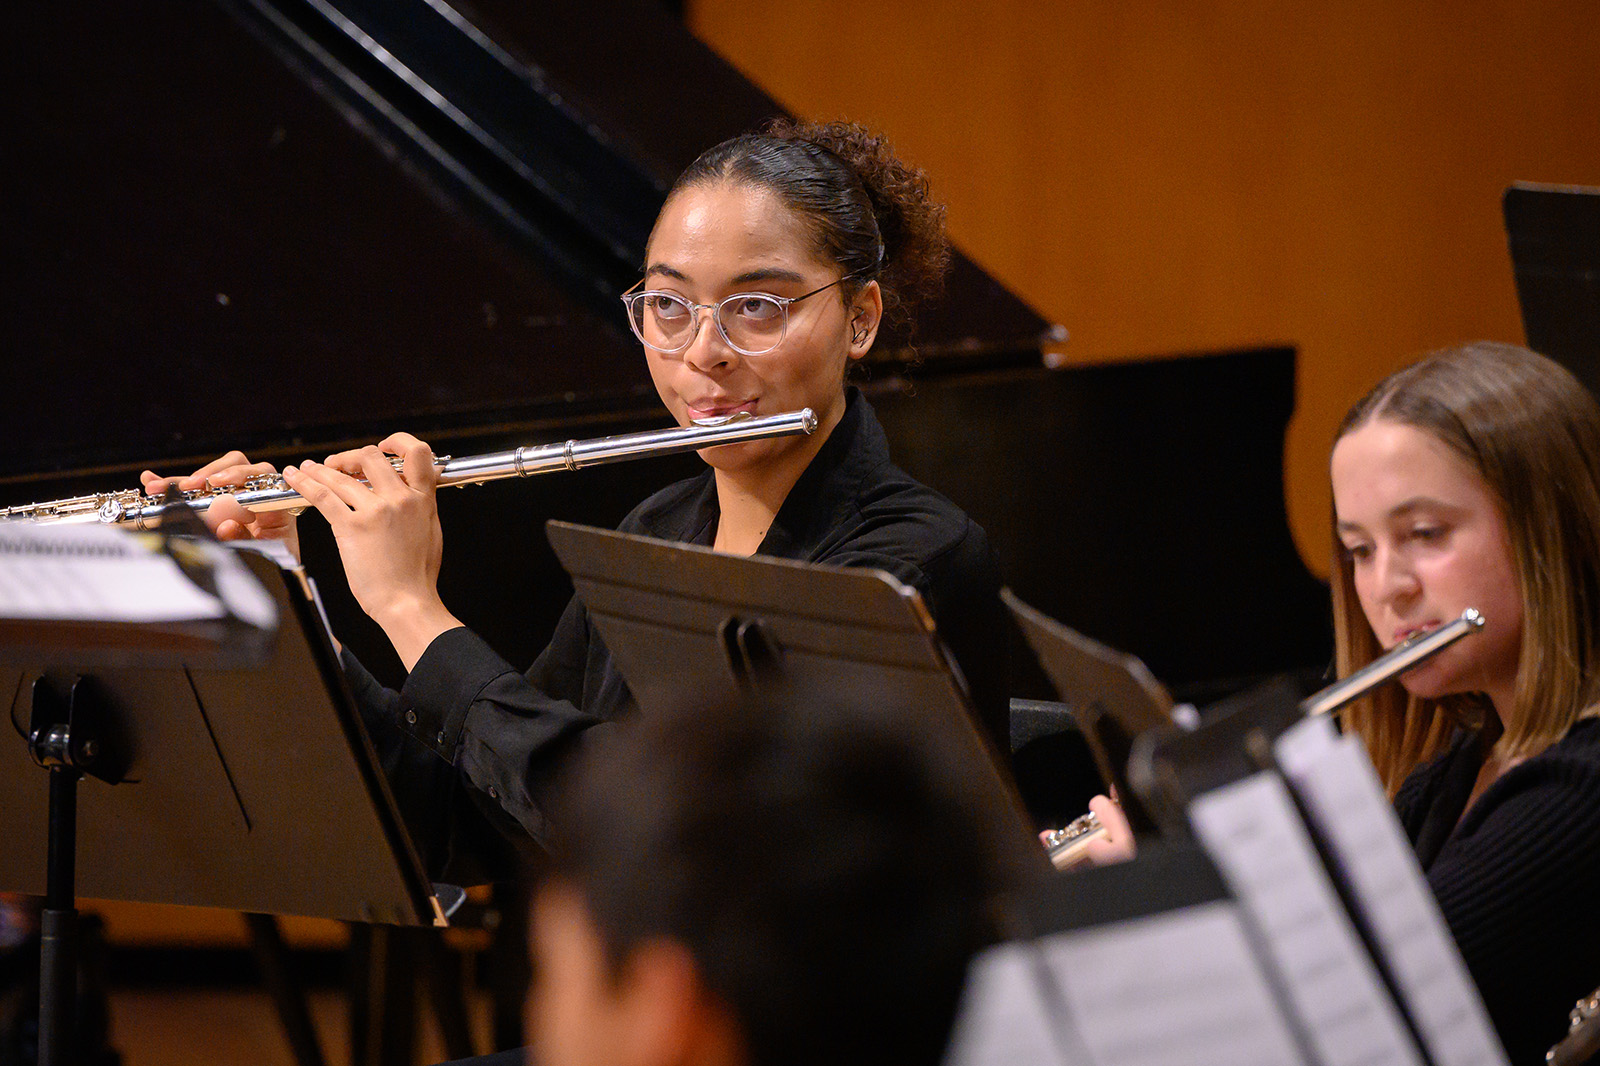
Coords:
279,224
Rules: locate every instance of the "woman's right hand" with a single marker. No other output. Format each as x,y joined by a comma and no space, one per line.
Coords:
386,525
226,518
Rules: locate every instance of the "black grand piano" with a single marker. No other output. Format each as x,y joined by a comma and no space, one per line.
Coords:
288,225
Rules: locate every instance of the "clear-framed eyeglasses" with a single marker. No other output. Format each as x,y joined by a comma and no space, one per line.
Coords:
753,323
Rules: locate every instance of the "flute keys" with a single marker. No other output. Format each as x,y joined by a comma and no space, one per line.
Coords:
1079,826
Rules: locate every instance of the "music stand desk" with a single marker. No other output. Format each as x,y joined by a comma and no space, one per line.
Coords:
1112,696
1554,236
688,625
250,789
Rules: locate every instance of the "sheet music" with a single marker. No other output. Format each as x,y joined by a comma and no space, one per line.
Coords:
276,550
93,573
1181,988
242,595
1346,802
102,574
1255,835
1005,1013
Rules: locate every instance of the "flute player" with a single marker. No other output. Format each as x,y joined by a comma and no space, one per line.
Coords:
1472,478
769,270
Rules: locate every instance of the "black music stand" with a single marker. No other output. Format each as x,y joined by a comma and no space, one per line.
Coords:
1293,811
1554,234
685,623
246,787
1113,696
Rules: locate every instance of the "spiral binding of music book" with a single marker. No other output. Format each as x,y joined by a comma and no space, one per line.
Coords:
100,595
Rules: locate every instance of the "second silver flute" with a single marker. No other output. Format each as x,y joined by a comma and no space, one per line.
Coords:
1068,846
268,492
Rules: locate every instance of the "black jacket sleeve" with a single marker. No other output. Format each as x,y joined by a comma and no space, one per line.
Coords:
470,739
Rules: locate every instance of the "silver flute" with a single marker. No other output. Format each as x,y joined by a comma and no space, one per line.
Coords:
268,492
1068,846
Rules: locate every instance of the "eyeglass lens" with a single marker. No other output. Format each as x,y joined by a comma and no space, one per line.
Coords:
753,323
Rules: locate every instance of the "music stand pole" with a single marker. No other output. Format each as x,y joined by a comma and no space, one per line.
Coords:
193,708
62,739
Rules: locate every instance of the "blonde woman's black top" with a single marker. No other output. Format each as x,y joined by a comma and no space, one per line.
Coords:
1517,877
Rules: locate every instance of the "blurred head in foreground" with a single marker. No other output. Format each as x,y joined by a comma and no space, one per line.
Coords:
760,886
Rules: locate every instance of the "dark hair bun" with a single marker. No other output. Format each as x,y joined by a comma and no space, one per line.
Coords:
916,248
868,212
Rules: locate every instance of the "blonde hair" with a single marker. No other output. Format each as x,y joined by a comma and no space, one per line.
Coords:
1532,432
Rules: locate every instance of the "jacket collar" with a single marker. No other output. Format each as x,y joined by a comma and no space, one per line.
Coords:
825,493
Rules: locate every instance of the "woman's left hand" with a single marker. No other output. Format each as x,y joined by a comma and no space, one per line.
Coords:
1114,843
1117,845
388,535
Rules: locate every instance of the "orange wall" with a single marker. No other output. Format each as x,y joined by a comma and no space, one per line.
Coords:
1170,176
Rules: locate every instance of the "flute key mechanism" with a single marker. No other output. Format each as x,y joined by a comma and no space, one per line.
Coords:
269,492
1068,846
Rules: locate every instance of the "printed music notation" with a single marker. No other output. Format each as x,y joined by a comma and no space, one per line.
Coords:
1346,803
91,574
1253,831
1315,940
1151,974
82,588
